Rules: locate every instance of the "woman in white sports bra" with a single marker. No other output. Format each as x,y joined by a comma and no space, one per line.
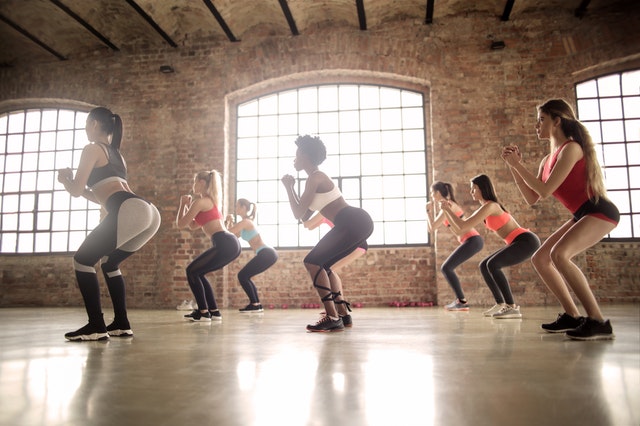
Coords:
352,227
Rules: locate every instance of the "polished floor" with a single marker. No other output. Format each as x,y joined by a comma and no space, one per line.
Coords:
396,366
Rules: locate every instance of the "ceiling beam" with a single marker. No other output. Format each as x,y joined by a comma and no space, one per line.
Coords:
507,10
220,20
31,37
362,18
429,17
287,14
582,9
151,22
85,24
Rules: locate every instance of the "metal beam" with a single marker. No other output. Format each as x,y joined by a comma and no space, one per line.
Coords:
507,10
85,24
287,13
361,14
220,20
582,9
31,37
429,17
151,22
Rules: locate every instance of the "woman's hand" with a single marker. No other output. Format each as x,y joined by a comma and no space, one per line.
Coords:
65,175
445,204
511,155
185,200
288,180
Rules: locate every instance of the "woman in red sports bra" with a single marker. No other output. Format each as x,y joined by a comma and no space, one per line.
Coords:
571,173
470,242
203,212
521,244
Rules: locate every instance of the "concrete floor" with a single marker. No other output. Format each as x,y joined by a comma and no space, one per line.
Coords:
396,366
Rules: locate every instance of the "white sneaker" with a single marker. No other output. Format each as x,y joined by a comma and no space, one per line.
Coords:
186,305
495,308
508,312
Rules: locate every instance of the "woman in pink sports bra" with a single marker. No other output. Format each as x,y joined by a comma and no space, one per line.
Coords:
203,212
520,244
470,242
571,173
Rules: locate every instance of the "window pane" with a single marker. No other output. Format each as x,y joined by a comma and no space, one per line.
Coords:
609,86
16,122
611,108
32,123
587,89
631,107
631,83
589,109
375,143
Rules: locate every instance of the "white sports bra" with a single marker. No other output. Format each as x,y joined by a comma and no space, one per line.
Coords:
321,199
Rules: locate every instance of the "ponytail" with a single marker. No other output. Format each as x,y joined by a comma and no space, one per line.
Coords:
445,189
110,123
251,208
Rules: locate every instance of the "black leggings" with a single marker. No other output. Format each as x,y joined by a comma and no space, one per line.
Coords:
226,248
265,258
520,249
352,227
464,252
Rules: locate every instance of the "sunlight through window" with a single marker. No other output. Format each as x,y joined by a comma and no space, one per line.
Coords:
610,108
36,214
375,139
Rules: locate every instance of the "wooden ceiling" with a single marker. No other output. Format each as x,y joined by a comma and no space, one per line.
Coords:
36,31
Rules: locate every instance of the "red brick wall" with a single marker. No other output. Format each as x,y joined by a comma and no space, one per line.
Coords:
479,100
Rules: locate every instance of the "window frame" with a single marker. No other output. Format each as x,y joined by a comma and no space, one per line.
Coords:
308,241
601,144
66,142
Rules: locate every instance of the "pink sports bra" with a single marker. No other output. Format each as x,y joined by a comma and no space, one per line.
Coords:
496,222
465,237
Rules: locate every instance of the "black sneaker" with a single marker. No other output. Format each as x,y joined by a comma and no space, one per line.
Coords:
89,332
591,329
196,315
216,315
121,329
563,323
326,324
346,320
251,308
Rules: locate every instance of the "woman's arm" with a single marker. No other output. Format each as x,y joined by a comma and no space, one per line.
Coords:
434,220
462,226
300,205
315,221
238,227
188,210
567,158
76,186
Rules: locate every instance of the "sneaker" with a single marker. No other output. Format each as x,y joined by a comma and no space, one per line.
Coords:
563,323
216,315
591,329
495,308
196,315
508,312
251,308
326,324
119,330
457,305
346,320
186,305
88,332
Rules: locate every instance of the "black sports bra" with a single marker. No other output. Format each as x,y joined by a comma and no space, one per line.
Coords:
114,170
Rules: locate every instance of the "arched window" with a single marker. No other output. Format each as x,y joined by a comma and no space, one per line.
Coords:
37,215
375,139
610,108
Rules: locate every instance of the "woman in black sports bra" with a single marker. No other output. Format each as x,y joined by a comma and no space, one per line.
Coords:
130,223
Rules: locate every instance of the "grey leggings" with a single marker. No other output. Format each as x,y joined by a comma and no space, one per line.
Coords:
520,249
464,252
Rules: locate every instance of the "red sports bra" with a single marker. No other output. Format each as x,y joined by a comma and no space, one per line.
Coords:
572,193
207,216
496,222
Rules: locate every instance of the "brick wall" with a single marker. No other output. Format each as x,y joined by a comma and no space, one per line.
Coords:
479,100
